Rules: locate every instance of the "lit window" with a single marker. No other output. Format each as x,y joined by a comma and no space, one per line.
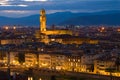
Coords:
71,64
40,79
73,59
76,64
68,59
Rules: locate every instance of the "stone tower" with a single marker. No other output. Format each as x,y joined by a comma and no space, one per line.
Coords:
42,20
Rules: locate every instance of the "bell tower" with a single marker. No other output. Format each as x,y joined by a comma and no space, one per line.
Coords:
42,20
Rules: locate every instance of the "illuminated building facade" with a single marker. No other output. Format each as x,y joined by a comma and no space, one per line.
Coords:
43,29
42,20
73,63
30,60
101,66
3,57
52,61
11,41
14,58
58,62
44,61
43,34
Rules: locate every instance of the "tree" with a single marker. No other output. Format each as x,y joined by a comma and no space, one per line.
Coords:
21,57
117,63
53,77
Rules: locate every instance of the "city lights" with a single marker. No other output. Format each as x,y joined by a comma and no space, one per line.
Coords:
6,28
61,53
14,27
118,30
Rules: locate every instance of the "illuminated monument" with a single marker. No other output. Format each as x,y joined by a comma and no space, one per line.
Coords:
42,20
43,29
61,36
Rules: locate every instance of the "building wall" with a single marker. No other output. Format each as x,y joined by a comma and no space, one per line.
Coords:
73,63
101,66
58,62
30,60
3,57
78,41
52,61
89,58
44,61
57,32
14,58
11,41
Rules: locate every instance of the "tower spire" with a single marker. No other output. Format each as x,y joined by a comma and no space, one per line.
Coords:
42,20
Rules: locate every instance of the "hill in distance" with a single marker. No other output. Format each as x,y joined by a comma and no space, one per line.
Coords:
67,18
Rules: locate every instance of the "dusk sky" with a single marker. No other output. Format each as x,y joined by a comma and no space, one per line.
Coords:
20,8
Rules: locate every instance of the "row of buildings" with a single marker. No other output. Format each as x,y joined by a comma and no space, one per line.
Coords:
96,63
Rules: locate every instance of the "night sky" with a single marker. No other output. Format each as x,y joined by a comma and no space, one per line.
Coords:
20,8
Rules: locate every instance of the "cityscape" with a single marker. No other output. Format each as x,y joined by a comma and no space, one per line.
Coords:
65,51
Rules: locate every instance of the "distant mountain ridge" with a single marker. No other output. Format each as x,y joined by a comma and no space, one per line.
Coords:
66,18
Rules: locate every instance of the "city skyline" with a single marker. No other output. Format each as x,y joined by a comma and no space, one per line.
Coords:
21,8
59,46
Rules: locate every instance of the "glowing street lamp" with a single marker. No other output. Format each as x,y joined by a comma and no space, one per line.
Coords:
103,28
30,78
118,30
14,27
6,28
40,79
